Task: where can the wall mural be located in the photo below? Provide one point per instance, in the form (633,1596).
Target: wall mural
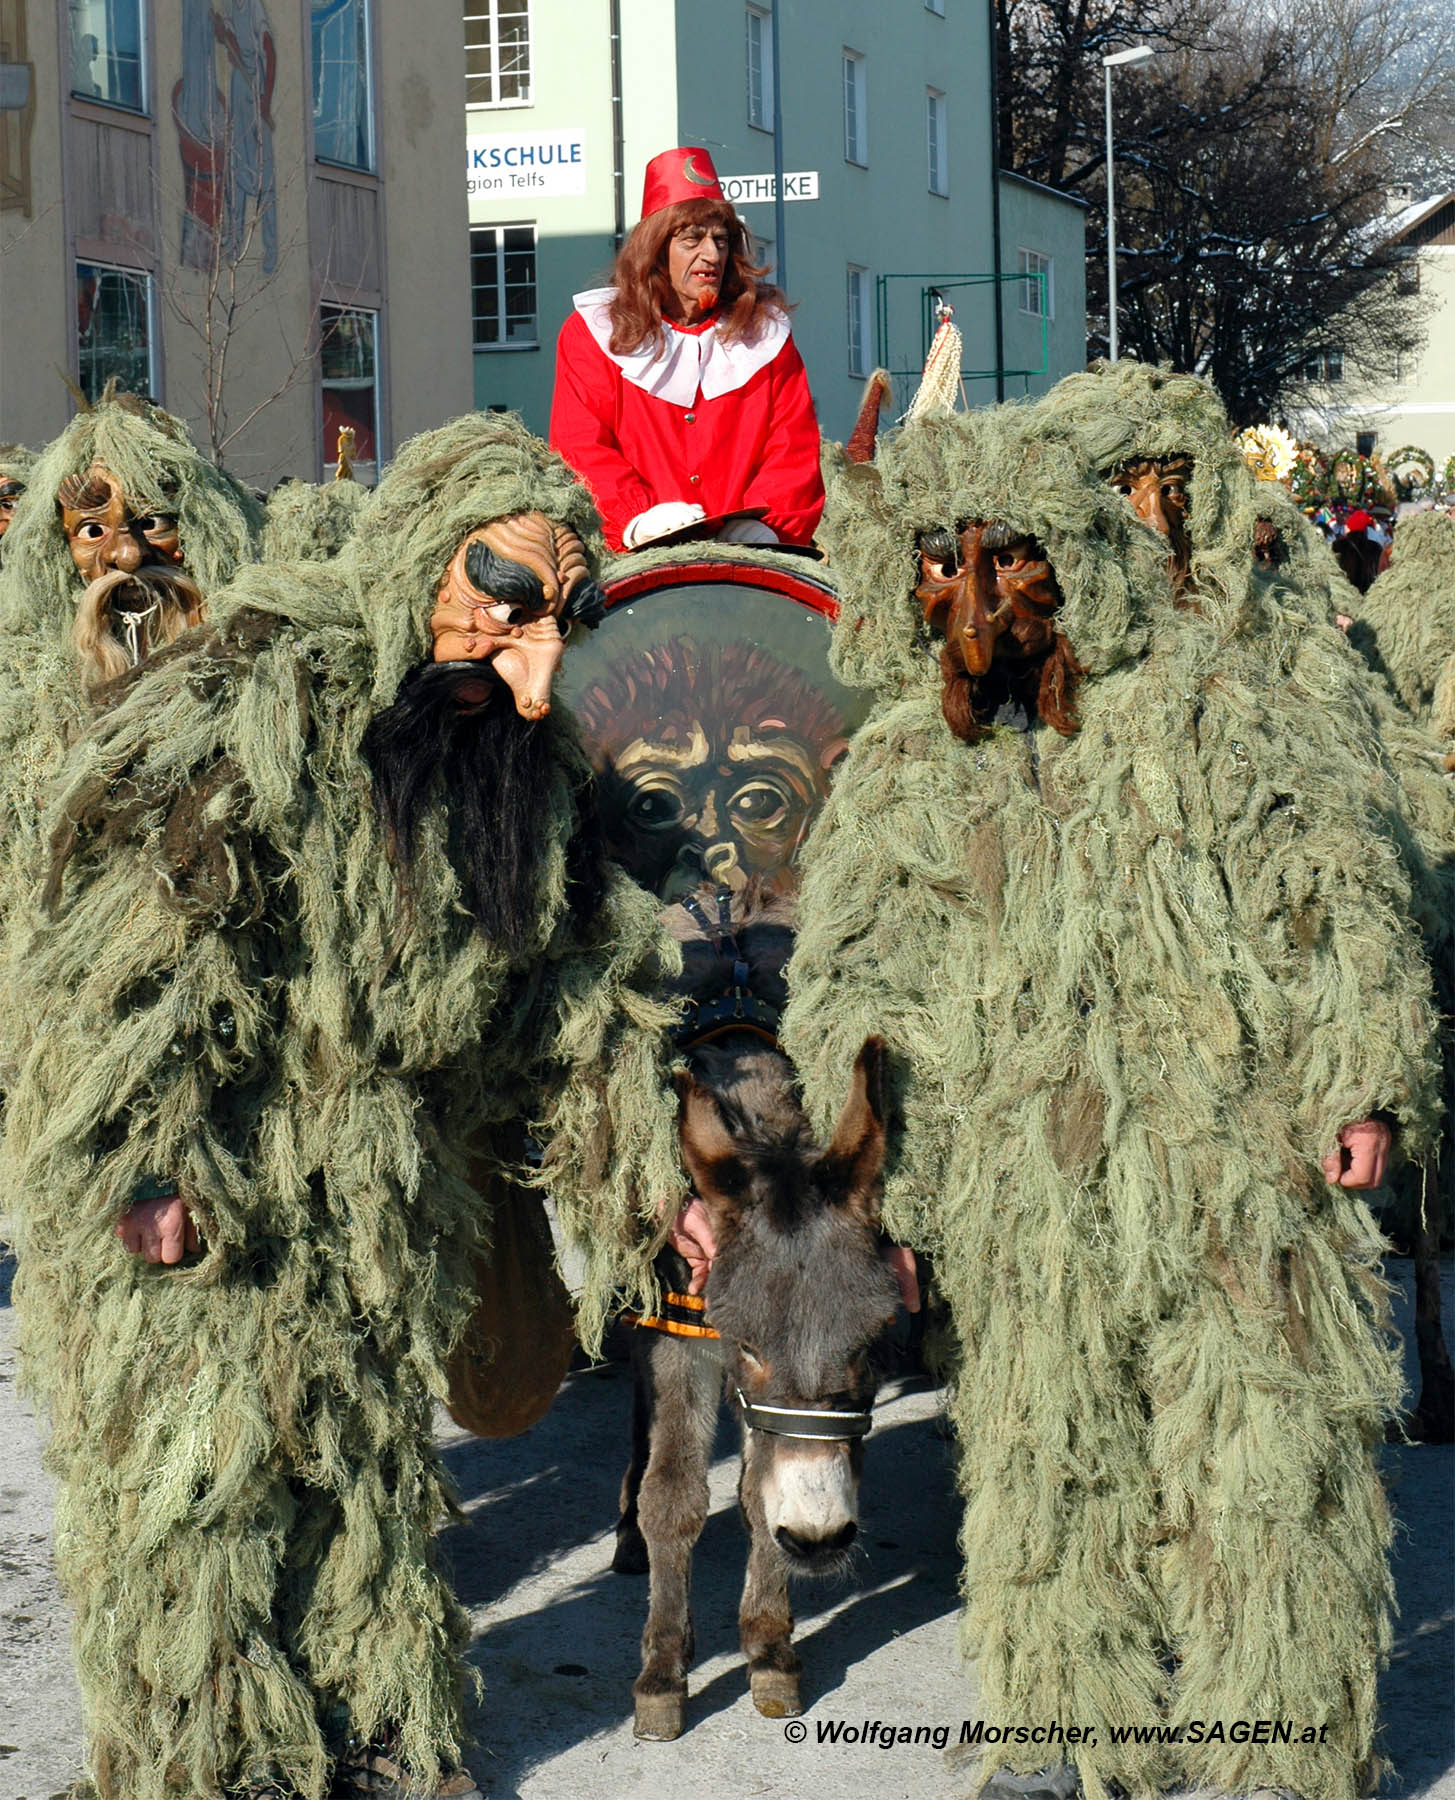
(16,123)
(226,138)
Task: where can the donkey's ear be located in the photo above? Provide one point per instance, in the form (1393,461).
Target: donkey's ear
(710,1154)
(856,1154)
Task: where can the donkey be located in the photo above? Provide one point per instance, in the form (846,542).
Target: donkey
(797,1297)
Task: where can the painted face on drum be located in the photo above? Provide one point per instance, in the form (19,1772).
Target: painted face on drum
(1156,488)
(714,761)
(728,810)
(697,255)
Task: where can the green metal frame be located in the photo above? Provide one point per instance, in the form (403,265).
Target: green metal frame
(943,285)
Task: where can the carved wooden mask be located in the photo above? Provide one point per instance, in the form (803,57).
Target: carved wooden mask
(991,592)
(1156,487)
(505,598)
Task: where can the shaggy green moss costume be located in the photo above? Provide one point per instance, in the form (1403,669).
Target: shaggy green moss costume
(15,465)
(1134,984)
(310,522)
(15,461)
(231,992)
(43,700)
(1289,601)
(1405,624)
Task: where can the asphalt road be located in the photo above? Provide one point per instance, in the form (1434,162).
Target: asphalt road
(556,1632)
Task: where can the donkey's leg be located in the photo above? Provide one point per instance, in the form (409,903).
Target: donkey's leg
(630,1557)
(686,1377)
(765,1618)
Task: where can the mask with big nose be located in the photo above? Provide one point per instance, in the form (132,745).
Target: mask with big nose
(508,598)
(1156,490)
(990,591)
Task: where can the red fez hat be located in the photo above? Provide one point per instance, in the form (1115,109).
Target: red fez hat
(1359,521)
(685,173)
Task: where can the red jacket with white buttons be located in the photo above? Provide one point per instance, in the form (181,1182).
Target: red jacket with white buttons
(721,426)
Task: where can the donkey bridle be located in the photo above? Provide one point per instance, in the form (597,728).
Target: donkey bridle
(740,1009)
(831,1426)
(737,1008)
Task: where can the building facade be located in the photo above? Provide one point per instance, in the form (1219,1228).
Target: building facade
(235,206)
(887,157)
(1346,411)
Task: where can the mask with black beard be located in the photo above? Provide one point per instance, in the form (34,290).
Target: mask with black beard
(453,731)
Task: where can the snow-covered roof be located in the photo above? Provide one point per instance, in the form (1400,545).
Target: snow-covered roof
(1396,225)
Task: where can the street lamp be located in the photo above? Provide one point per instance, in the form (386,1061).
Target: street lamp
(1139,53)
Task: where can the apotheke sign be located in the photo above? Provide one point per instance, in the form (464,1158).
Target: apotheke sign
(746,190)
(520,163)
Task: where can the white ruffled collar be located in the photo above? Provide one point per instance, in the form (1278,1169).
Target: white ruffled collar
(691,361)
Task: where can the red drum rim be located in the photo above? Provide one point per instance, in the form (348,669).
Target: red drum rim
(817,595)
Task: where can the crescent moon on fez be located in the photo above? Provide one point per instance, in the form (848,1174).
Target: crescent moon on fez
(691,173)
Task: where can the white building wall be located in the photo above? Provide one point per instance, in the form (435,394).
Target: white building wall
(1419,408)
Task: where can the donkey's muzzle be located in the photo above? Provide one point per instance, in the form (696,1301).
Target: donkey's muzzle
(814,1551)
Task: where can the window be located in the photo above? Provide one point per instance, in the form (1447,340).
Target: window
(503,286)
(343,111)
(113,329)
(858,298)
(1324,366)
(1037,295)
(760,69)
(347,363)
(1407,275)
(106,52)
(856,111)
(497,53)
(935,140)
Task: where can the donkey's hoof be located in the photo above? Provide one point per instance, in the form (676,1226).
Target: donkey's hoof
(775,1693)
(660,1717)
(630,1557)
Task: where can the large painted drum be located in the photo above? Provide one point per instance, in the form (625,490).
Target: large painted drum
(711,717)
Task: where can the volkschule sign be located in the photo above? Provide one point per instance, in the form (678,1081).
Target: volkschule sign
(526,162)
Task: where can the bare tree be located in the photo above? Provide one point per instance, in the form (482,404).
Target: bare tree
(1253,160)
(225,292)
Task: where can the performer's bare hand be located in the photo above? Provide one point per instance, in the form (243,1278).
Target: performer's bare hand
(692,1238)
(1362,1154)
(901,1260)
(159,1231)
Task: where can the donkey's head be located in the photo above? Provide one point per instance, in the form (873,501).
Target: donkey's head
(798,1291)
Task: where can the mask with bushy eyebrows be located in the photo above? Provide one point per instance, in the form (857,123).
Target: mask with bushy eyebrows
(991,592)
(137,595)
(107,530)
(1156,489)
(508,597)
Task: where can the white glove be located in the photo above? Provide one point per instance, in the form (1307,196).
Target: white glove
(747,531)
(658,521)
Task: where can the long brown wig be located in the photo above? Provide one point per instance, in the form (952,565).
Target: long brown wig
(643,289)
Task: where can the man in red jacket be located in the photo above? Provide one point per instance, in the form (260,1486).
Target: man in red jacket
(680,395)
